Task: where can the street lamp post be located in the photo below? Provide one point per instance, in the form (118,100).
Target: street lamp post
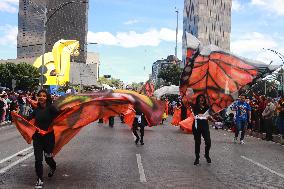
(45,22)
(176,34)
(43,47)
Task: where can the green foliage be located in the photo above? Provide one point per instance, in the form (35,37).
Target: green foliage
(65,87)
(171,74)
(26,75)
(136,86)
(117,83)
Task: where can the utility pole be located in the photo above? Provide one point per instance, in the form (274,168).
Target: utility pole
(176,34)
(43,46)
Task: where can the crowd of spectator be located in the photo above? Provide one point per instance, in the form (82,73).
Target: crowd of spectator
(267,116)
(19,101)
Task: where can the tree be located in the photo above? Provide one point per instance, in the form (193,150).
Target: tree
(171,74)
(136,86)
(26,75)
(117,83)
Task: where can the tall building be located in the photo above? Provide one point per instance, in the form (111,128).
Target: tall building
(65,20)
(209,21)
(30,29)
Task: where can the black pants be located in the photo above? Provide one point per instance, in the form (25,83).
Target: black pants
(135,128)
(268,127)
(43,144)
(111,121)
(202,129)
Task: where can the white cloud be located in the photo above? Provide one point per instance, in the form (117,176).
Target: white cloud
(10,6)
(130,22)
(275,6)
(253,45)
(10,35)
(236,5)
(133,39)
(252,42)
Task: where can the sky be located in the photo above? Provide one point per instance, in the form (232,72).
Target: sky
(133,34)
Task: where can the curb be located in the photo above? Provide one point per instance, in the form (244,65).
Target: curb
(276,138)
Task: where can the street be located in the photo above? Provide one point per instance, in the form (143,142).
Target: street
(104,157)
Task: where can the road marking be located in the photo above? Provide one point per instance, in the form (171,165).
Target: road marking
(3,170)
(12,156)
(140,168)
(262,166)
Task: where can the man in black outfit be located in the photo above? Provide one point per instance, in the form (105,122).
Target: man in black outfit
(139,121)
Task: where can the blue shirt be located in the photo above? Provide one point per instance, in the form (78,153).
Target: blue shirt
(242,109)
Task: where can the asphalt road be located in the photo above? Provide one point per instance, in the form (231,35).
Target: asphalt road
(104,157)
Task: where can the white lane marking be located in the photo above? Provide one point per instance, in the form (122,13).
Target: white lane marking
(262,166)
(140,168)
(10,157)
(3,170)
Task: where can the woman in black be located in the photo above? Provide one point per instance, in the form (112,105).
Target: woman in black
(43,138)
(202,129)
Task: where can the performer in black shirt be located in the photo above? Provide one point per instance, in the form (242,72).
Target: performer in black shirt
(43,138)
(139,121)
(201,127)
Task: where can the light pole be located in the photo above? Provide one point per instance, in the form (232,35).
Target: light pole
(45,22)
(176,34)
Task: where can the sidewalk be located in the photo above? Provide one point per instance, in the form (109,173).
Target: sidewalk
(276,138)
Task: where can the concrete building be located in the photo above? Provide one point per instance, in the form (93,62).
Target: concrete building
(209,21)
(30,29)
(80,74)
(162,64)
(86,74)
(65,20)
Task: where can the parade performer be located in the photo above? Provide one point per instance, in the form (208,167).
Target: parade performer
(77,111)
(201,127)
(139,121)
(218,75)
(43,138)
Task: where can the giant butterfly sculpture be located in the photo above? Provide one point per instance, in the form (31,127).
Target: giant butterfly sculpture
(218,74)
(78,111)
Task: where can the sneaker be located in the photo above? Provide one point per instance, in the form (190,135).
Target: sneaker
(39,183)
(208,159)
(196,162)
(141,142)
(137,140)
(235,140)
(51,172)
(242,142)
